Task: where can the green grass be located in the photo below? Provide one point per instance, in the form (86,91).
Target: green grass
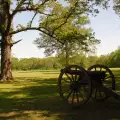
(34,96)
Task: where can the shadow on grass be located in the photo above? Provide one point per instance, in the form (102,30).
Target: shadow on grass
(43,97)
(117,79)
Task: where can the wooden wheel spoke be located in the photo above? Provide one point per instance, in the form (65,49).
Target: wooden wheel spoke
(73,96)
(77,96)
(68,77)
(100,68)
(66,91)
(76,75)
(81,95)
(73,77)
(69,94)
(66,81)
(95,68)
(108,77)
(107,82)
(106,72)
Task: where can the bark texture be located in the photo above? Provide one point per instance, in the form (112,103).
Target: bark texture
(6,63)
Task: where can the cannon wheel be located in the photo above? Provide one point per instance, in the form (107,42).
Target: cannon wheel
(74,87)
(108,81)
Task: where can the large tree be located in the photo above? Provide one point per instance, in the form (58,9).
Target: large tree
(45,8)
(70,39)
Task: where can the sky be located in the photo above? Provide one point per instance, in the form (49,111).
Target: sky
(106,26)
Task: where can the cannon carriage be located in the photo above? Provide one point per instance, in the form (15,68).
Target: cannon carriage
(77,85)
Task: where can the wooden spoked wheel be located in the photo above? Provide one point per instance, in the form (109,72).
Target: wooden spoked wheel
(108,81)
(74,85)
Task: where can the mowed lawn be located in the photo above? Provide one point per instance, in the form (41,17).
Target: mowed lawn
(34,96)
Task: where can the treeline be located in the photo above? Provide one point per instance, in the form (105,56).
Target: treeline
(111,60)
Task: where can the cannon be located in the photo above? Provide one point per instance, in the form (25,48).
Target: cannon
(77,85)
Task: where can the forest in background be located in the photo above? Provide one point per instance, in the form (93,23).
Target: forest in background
(111,60)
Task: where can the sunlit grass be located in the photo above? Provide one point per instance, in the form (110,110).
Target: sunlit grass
(40,73)
(34,96)
(115,68)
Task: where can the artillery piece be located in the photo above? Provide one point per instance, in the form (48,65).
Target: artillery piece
(77,85)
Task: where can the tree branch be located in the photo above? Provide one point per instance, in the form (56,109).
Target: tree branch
(44,2)
(34,14)
(38,29)
(15,42)
(72,9)
(30,9)
(32,28)
(19,8)
(33,19)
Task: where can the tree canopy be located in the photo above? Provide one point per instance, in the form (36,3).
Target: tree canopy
(73,37)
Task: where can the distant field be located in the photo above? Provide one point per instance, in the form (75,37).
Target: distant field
(34,96)
(115,68)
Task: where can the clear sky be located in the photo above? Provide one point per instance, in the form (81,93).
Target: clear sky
(106,27)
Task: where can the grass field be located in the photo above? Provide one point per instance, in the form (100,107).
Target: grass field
(34,96)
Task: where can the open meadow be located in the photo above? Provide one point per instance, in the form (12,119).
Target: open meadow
(34,96)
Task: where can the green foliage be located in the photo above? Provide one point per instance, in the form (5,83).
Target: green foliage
(111,60)
(104,59)
(70,38)
(79,59)
(114,60)
(91,60)
(116,6)
(35,63)
(106,3)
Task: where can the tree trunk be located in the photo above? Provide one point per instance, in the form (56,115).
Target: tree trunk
(5,27)
(66,55)
(6,64)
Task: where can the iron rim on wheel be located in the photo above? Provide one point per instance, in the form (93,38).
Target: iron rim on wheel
(74,85)
(108,82)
